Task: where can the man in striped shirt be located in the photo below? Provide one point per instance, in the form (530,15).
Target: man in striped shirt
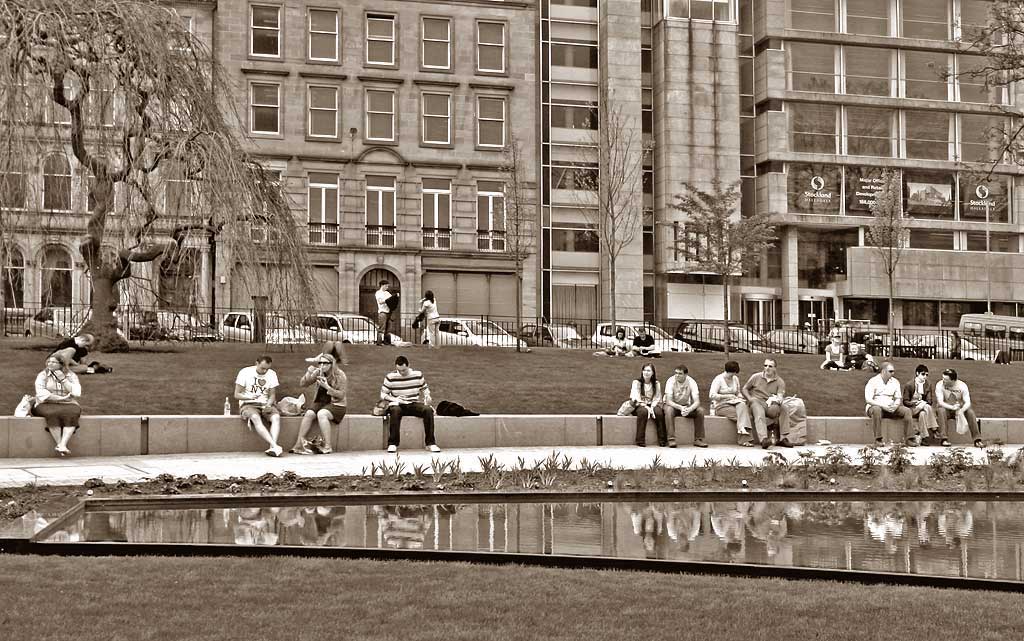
(407,394)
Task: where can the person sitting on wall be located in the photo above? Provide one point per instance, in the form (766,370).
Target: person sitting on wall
(884,397)
(407,394)
(682,398)
(917,395)
(727,400)
(643,344)
(765,392)
(645,395)
(954,401)
(57,392)
(256,391)
(329,404)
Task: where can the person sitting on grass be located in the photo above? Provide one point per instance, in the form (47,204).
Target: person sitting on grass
(728,401)
(884,397)
(619,346)
(643,344)
(57,394)
(835,358)
(682,398)
(859,358)
(256,391)
(646,397)
(954,401)
(73,351)
(407,394)
(917,396)
(329,404)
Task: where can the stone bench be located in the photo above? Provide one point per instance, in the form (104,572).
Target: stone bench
(135,435)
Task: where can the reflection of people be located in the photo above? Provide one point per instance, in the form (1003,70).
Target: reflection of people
(886,526)
(728,522)
(682,398)
(57,394)
(329,404)
(884,398)
(767,522)
(254,528)
(403,526)
(954,401)
(917,396)
(646,396)
(955,524)
(256,391)
(407,394)
(727,401)
(649,525)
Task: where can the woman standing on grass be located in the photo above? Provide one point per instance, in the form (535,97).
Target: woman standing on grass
(431,319)
(57,393)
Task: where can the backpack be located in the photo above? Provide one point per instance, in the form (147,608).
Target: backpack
(448,408)
(392,302)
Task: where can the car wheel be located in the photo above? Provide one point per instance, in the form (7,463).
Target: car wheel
(28,332)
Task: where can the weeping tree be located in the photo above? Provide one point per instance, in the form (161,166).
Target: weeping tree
(520,217)
(150,124)
(717,240)
(888,234)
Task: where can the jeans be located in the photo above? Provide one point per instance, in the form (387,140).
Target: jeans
(395,414)
(670,422)
(642,415)
(383,320)
(760,412)
(876,414)
(943,415)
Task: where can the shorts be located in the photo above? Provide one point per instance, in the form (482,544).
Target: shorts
(266,412)
(337,411)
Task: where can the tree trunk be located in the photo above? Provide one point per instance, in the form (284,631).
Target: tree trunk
(725,313)
(519,305)
(611,305)
(102,324)
(892,316)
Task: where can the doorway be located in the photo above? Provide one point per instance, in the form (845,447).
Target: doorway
(815,309)
(369,284)
(762,314)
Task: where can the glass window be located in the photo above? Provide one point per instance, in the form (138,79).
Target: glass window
(925,75)
(928,194)
(490,216)
(997,242)
(869,131)
(490,47)
(13,189)
(928,19)
(574,116)
(981,198)
(437,213)
(490,121)
(868,17)
(821,256)
(575,240)
(974,15)
(811,67)
(437,118)
(264,108)
(323,112)
(812,15)
(323,34)
(56,183)
(570,55)
(380,211)
(265,31)
(981,137)
(862,187)
(812,128)
(380,114)
(323,208)
(927,134)
(437,41)
(14,278)
(868,71)
(927,239)
(814,188)
(380,39)
(873,310)
(56,273)
(977,85)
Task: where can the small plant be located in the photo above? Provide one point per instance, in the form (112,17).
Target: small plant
(548,478)
(995,455)
(419,471)
(898,457)
(870,458)
(490,465)
(656,464)
(566,463)
(590,468)
(950,462)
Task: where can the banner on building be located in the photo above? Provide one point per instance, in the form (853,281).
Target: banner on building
(928,194)
(814,188)
(862,186)
(978,195)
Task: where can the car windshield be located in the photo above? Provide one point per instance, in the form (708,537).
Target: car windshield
(485,328)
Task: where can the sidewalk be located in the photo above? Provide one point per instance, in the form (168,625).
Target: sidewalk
(72,471)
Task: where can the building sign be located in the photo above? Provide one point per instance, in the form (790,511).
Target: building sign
(928,194)
(862,185)
(978,194)
(814,188)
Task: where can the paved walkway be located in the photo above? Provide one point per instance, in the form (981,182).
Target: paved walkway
(70,471)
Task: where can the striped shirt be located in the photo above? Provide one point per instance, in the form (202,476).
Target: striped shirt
(405,388)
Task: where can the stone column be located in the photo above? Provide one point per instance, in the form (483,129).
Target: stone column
(790,276)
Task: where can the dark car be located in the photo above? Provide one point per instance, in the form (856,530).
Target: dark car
(709,337)
(554,335)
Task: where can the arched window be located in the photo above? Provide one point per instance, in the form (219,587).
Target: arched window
(56,183)
(14,278)
(56,269)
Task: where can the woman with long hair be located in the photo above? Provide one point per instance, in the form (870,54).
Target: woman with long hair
(329,405)
(646,397)
(57,394)
(431,318)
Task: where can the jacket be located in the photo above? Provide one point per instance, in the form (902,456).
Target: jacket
(909,389)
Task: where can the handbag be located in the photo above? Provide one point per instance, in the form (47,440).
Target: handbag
(24,408)
(416,322)
(626,408)
(381,408)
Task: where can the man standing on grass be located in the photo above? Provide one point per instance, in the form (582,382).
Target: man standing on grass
(383,312)
(407,394)
(884,397)
(256,391)
(764,392)
(682,398)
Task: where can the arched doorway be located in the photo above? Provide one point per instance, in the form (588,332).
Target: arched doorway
(369,284)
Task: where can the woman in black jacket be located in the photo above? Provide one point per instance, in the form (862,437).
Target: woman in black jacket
(918,397)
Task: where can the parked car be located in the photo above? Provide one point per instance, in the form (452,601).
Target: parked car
(151,325)
(879,343)
(55,322)
(553,335)
(238,326)
(709,337)
(470,331)
(941,347)
(345,327)
(797,341)
(604,334)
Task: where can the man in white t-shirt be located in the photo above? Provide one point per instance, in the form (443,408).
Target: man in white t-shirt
(256,391)
(383,311)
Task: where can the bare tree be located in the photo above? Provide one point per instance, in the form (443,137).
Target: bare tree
(520,217)
(888,233)
(717,240)
(616,207)
(150,123)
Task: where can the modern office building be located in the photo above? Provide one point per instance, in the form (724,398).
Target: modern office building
(387,118)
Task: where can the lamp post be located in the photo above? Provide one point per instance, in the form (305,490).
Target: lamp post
(988,260)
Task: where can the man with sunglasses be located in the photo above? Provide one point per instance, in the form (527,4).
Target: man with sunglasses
(764,392)
(884,397)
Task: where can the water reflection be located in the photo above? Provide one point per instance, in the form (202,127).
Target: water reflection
(976,539)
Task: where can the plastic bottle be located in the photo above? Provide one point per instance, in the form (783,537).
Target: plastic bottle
(227,406)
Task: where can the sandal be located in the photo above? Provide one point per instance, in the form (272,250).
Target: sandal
(945,442)
(747,444)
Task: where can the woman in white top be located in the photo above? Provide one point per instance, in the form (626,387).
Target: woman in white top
(428,307)
(57,394)
(834,356)
(727,400)
(646,397)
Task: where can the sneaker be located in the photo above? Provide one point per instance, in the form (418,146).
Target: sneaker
(699,443)
(323,449)
(671,442)
(303,449)
(785,443)
(392,449)
(945,442)
(433,448)
(275,451)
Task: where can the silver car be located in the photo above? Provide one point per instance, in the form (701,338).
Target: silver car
(344,327)
(238,326)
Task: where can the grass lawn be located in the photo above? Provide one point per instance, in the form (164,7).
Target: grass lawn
(194,379)
(289,598)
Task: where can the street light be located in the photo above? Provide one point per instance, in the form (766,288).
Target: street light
(988,260)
